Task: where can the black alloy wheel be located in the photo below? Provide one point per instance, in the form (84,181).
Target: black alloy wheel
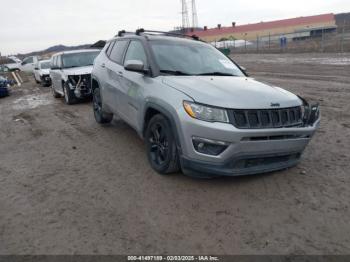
(161,146)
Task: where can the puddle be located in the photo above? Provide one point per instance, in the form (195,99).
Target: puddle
(32,101)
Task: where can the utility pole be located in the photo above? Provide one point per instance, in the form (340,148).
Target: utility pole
(194,15)
(185,19)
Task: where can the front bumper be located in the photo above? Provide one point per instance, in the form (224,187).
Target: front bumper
(249,152)
(45,80)
(80,85)
(239,166)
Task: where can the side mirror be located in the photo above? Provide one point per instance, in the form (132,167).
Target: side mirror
(135,66)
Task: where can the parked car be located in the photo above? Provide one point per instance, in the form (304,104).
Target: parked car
(13,64)
(196,109)
(4,84)
(28,64)
(3,68)
(71,74)
(42,72)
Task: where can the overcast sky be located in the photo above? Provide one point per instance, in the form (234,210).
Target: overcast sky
(32,25)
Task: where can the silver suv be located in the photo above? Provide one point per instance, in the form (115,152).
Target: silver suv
(197,109)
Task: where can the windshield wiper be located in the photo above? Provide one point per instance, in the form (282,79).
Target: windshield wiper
(216,74)
(174,72)
(70,67)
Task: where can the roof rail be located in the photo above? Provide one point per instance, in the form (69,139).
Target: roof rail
(143,31)
(123,32)
(152,32)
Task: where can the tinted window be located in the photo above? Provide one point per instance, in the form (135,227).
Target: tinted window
(118,51)
(78,59)
(136,52)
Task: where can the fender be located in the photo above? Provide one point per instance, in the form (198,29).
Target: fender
(168,115)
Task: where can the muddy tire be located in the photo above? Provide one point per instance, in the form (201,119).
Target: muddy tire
(161,146)
(54,93)
(69,96)
(100,116)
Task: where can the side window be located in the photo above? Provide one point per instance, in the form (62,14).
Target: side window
(29,60)
(117,52)
(136,52)
(54,61)
(109,48)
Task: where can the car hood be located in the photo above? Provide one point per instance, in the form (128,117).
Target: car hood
(232,92)
(45,71)
(78,71)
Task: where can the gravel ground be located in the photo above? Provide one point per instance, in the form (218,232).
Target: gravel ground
(70,186)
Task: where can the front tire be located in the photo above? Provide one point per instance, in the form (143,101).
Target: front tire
(69,96)
(54,93)
(100,116)
(36,81)
(161,146)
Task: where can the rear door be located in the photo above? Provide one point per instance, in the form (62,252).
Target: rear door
(114,68)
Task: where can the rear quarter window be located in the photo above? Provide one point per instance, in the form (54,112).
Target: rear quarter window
(118,51)
(109,48)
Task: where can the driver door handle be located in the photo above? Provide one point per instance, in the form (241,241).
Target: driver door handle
(103,65)
(120,74)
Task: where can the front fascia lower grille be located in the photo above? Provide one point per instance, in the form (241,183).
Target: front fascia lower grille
(266,118)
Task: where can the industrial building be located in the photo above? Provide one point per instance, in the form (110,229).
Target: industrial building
(294,28)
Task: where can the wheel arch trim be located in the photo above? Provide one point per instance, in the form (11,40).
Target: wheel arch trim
(168,115)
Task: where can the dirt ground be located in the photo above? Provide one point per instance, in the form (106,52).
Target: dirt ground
(70,186)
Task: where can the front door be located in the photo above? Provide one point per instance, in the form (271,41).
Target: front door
(132,84)
(28,64)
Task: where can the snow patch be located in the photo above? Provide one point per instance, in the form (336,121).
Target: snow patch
(32,101)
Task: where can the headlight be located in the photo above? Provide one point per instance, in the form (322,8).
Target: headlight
(310,112)
(205,113)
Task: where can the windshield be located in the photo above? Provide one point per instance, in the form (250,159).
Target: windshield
(45,65)
(192,59)
(79,59)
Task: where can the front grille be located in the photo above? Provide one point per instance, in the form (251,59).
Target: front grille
(266,118)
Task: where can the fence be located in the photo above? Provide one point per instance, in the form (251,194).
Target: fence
(322,41)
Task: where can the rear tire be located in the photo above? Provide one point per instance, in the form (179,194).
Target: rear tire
(69,96)
(161,146)
(36,81)
(100,116)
